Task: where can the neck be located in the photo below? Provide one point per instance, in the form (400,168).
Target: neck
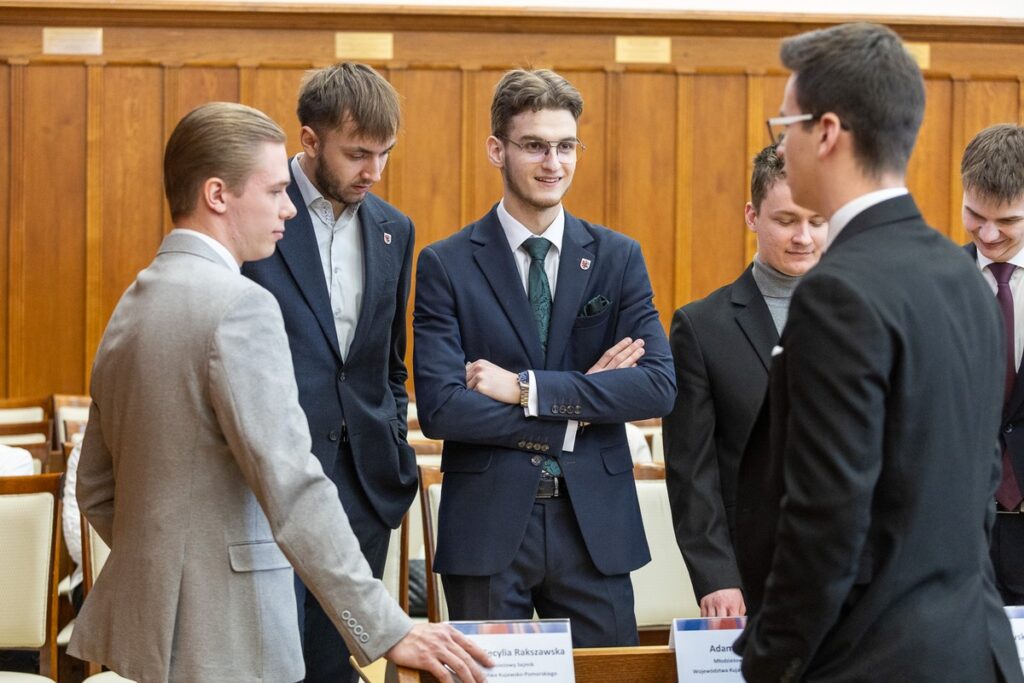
(856,185)
(210,228)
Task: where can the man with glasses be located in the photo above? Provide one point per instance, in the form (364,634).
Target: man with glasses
(885,393)
(536,339)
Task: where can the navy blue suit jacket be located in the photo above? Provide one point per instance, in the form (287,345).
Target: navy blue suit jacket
(471,305)
(364,398)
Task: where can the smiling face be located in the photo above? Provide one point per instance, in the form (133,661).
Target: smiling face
(534,187)
(342,164)
(996,228)
(256,215)
(790,238)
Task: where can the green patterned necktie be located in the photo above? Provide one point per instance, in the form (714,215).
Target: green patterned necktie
(540,302)
(540,292)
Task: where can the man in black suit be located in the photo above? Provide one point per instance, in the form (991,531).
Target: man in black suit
(341,275)
(722,346)
(992,171)
(884,394)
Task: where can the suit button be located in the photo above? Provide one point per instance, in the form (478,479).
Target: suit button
(578,410)
(1007,429)
(536,460)
(554,410)
(521,444)
(529,445)
(545,447)
(334,435)
(341,376)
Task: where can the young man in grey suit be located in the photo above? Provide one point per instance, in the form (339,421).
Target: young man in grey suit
(196,466)
(341,275)
(992,171)
(722,347)
(884,396)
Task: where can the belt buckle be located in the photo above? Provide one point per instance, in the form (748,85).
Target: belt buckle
(552,491)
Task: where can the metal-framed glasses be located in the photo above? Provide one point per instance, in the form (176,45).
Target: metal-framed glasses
(777,125)
(569,149)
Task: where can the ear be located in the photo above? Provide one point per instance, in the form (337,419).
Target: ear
(214,191)
(750,216)
(829,128)
(310,141)
(496,152)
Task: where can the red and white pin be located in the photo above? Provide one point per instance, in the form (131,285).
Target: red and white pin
(584,264)
(387,238)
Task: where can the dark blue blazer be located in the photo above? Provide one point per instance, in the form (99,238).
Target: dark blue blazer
(364,398)
(470,305)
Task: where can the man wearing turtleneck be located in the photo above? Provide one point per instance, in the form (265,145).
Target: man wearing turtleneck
(722,345)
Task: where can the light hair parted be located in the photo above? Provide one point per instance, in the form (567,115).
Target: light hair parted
(522,90)
(993,164)
(214,140)
(352,92)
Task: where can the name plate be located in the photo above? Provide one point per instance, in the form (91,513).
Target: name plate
(1016,617)
(704,649)
(528,651)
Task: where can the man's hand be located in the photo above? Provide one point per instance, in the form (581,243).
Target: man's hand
(441,650)
(488,379)
(727,602)
(625,354)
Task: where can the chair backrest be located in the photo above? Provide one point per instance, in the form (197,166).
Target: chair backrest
(396,567)
(426,446)
(430,501)
(70,415)
(30,538)
(661,588)
(21,410)
(24,433)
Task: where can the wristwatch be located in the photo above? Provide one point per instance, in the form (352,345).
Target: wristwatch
(524,389)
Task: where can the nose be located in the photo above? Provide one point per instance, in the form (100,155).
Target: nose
(987,232)
(374,168)
(802,236)
(551,160)
(288,208)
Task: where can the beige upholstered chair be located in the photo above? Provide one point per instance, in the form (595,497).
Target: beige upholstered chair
(30,538)
(22,410)
(430,501)
(70,413)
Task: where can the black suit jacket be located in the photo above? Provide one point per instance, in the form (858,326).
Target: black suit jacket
(721,345)
(364,398)
(885,397)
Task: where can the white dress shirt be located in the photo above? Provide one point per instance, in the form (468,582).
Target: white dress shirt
(217,247)
(516,233)
(1017,290)
(340,242)
(841,218)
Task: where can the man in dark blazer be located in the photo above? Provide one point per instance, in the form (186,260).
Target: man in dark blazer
(993,214)
(527,365)
(341,275)
(885,396)
(721,345)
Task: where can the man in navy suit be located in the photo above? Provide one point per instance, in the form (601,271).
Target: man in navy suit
(341,275)
(992,171)
(536,339)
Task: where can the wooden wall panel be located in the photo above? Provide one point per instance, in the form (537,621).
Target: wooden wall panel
(481,182)
(200,84)
(275,91)
(587,197)
(48,322)
(927,175)
(5,203)
(720,181)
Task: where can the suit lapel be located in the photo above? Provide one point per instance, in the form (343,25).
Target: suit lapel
(377,255)
(572,283)
(753,316)
(899,208)
(302,257)
(494,258)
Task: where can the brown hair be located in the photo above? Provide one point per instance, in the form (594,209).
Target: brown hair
(993,163)
(768,170)
(214,140)
(330,96)
(520,90)
(863,74)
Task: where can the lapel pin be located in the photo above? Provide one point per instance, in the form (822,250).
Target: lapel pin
(387,238)
(584,264)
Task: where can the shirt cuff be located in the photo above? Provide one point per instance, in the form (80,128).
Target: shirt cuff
(533,410)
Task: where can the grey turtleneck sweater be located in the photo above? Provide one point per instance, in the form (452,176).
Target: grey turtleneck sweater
(777,290)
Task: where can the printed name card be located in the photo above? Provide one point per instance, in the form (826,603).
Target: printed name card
(536,651)
(1016,617)
(704,649)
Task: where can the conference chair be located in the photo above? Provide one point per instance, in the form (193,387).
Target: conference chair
(23,410)
(70,415)
(25,433)
(30,538)
(430,501)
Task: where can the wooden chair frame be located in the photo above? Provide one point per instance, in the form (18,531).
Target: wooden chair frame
(429,476)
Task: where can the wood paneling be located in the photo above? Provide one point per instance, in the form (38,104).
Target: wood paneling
(669,147)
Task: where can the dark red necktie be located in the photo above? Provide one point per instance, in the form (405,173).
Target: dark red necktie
(1008,494)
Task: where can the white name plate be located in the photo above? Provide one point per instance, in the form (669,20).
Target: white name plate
(535,651)
(704,649)
(1016,617)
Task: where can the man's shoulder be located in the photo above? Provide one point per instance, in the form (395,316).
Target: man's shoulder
(387,210)
(604,236)
(712,305)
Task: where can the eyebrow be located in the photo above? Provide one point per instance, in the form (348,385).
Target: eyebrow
(364,150)
(1013,217)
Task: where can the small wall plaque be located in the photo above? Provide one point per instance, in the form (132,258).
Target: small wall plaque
(643,49)
(72,41)
(368,46)
(921,52)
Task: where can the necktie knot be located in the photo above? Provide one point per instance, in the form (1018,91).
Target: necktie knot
(537,248)
(1002,272)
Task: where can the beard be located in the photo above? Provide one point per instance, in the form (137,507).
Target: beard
(520,193)
(332,188)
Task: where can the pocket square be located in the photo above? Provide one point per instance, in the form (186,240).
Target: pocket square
(776,351)
(595,306)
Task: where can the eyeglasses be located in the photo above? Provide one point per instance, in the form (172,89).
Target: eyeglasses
(777,126)
(535,150)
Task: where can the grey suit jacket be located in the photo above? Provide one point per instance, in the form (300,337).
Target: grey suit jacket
(196,470)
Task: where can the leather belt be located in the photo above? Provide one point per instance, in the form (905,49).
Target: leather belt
(551,487)
(1000,510)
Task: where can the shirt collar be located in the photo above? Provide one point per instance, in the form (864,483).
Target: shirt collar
(984,261)
(311,195)
(516,233)
(841,218)
(217,247)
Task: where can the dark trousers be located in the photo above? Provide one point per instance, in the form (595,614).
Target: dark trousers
(1007,551)
(323,648)
(552,572)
